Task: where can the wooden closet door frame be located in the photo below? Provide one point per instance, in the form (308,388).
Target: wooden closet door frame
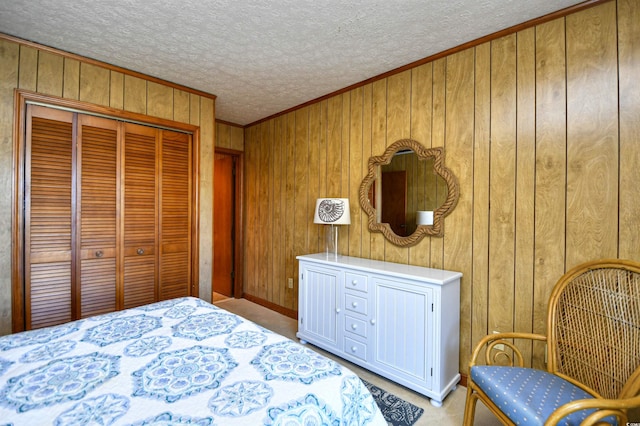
(24,97)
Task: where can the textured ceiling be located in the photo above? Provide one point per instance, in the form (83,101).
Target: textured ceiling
(262,57)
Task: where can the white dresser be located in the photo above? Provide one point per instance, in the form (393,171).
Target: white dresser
(399,321)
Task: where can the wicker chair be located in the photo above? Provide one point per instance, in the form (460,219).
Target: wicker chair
(593,343)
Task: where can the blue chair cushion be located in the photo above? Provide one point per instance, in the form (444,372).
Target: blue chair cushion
(528,396)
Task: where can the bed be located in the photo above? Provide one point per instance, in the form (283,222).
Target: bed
(181,361)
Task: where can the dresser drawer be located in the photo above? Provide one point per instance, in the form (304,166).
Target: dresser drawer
(355,326)
(355,349)
(355,304)
(356,282)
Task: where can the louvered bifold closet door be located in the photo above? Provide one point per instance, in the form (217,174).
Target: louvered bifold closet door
(97,190)
(49,263)
(175,217)
(139,215)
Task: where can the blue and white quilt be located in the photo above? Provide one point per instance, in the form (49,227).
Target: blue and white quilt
(177,362)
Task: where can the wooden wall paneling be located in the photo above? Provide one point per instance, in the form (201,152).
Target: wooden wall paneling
(551,122)
(345,147)
(116,90)
(334,147)
(97,236)
(355,170)
(28,69)
(477,284)
(289,205)
(71,79)
(398,127)
(314,176)
(459,144)
(592,135)
(181,110)
(250,212)
(9,67)
(629,62)
(438,140)
(50,73)
(207,147)
(378,145)
(264,232)
(159,100)
(94,84)
(421,121)
(525,187)
(280,206)
(194,109)
(135,94)
(365,243)
(502,183)
(303,209)
(274,226)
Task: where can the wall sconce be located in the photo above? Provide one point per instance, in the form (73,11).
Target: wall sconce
(332,212)
(424,217)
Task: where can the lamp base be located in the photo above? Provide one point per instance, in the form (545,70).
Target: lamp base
(331,241)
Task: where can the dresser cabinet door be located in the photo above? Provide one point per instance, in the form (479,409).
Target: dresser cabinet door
(319,309)
(404,341)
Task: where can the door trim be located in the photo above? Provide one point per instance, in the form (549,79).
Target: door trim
(238,252)
(24,97)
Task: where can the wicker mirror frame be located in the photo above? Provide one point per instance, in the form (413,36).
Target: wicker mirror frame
(435,230)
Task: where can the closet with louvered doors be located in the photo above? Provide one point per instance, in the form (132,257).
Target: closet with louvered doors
(107,215)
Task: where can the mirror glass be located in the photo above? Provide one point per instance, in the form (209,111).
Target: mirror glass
(407,192)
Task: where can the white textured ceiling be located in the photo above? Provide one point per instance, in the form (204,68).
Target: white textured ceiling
(264,56)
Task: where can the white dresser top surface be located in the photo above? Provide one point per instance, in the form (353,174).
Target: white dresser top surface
(435,276)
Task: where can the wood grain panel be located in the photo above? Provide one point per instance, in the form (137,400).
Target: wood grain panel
(438,139)
(550,196)
(314,175)
(50,73)
(477,285)
(180,111)
(629,59)
(97,200)
(94,84)
(116,90)
(378,145)
(28,68)
(278,223)
(525,186)
(354,173)
(290,265)
(366,154)
(502,183)
(303,211)
(592,133)
(159,100)
(71,79)
(135,94)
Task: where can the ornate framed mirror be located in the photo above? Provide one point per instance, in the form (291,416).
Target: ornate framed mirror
(407,192)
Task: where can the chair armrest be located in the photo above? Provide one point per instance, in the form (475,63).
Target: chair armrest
(491,340)
(604,408)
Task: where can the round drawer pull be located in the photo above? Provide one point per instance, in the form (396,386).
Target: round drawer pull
(337,310)
(140,251)
(354,326)
(354,304)
(354,282)
(99,253)
(354,349)
(373,322)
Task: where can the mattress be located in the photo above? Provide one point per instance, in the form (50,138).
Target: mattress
(181,361)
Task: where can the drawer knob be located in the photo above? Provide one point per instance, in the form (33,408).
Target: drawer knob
(140,251)
(354,304)
(99,253)
(373,322)
(354,326)
(353,349)
(337,310)
(354,282)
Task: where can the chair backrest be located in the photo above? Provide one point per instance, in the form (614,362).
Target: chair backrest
(594,325)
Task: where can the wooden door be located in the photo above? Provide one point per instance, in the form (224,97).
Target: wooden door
(394,200)
(49,234)
(139,216)
(97,206)
(175,216)
(223,221)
